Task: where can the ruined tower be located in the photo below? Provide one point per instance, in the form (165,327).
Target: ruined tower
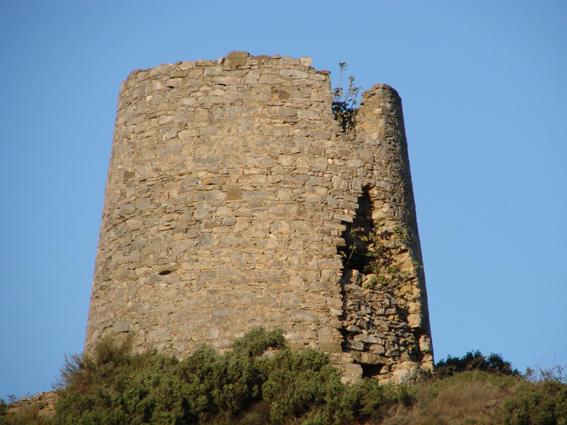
(235,199)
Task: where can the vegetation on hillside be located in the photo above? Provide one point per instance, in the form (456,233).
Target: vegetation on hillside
(262,381)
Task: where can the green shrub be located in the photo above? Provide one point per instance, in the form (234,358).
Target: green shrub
(304,384)
(374,400)
(116,387)
(242,386)
(262,381)
(258,341)
(540,403)
(474,360)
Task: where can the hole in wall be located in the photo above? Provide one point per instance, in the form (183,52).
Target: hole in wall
(370,370)
(374,312)
(357,257)
(165,272)
(370,313)
(356,254)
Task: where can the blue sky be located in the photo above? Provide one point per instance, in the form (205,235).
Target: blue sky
(484,86)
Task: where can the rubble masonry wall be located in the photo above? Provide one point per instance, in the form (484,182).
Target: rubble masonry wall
(230,195)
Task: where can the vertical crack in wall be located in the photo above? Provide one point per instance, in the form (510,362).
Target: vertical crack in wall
(375,323)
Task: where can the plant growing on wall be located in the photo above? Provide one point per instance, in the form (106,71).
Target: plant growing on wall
(345,100)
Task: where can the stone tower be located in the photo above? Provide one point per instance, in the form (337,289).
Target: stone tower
(235,200)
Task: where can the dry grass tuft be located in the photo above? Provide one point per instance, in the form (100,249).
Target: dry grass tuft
(469,398)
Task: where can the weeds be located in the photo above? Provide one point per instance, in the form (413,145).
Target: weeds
(345,101)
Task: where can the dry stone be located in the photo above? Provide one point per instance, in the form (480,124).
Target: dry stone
(231,199)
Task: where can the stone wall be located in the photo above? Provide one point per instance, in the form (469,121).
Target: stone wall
(233,199)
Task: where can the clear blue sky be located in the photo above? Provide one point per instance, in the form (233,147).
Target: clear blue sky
(484,86)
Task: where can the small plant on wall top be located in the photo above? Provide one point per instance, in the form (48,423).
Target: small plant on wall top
(345,100)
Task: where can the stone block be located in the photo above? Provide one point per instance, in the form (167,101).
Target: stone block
(121,326)
(233,192)
(330,347)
